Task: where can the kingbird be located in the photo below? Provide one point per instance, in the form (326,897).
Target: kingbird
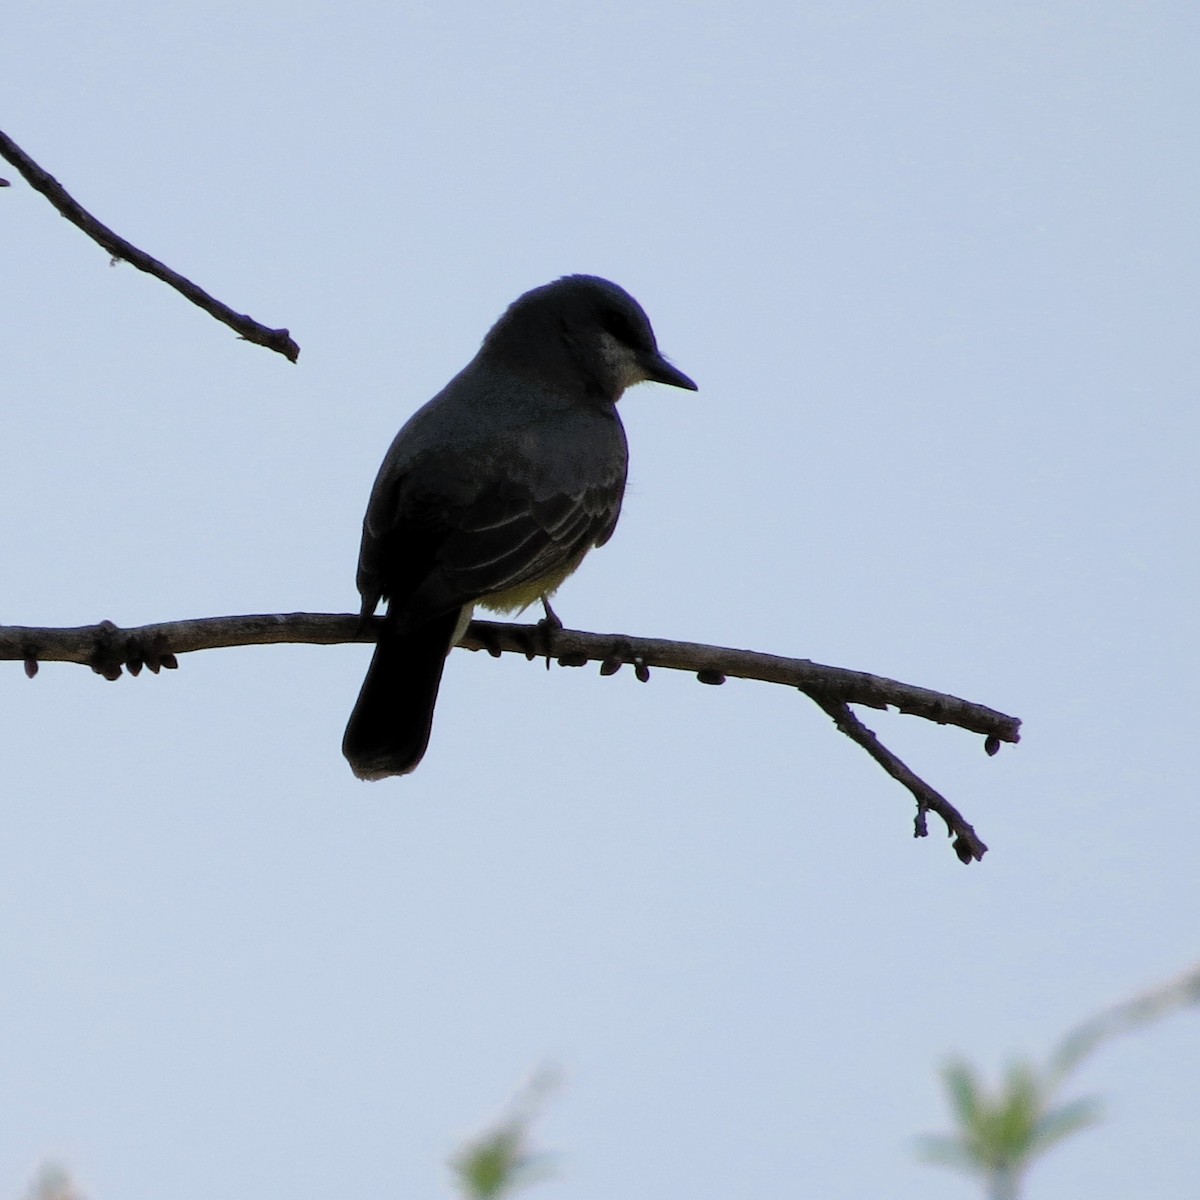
(492,493)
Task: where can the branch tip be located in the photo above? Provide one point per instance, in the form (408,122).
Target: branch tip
(120,250)
(967,845)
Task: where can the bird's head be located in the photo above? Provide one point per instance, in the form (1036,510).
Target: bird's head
(582,329)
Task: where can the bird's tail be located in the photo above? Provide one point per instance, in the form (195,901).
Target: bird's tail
(389,727)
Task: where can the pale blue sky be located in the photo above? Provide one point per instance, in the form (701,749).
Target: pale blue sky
(933,267)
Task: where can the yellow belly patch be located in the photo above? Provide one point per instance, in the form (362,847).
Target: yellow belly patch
(522,595)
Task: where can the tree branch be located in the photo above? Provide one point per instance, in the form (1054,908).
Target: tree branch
(967,844)
(279,340)
(109,650)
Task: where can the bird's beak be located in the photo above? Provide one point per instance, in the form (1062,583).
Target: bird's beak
(660,371)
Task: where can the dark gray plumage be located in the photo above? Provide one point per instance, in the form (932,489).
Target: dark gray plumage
(492,493)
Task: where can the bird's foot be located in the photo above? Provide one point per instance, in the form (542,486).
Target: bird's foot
(545,630)
(551,619)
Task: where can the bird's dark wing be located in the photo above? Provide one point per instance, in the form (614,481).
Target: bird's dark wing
(431,545)
(508,538)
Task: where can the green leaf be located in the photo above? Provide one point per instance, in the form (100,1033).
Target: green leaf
(1058,1125)
(963,1087)
(500,1161)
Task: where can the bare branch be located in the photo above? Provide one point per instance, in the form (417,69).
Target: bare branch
(967,844)
(716,662)
(279,340)
(109,650)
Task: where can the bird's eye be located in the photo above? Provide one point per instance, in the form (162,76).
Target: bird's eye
(622,328)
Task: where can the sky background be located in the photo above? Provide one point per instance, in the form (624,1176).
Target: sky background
(934,268)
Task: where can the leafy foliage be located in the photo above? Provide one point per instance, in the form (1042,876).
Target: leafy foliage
(500,1161)
(1000,1133)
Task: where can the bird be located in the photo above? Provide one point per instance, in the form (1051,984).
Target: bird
(492,493)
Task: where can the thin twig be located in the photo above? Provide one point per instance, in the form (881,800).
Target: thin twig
(109,651)
(279,340)
(967,844)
